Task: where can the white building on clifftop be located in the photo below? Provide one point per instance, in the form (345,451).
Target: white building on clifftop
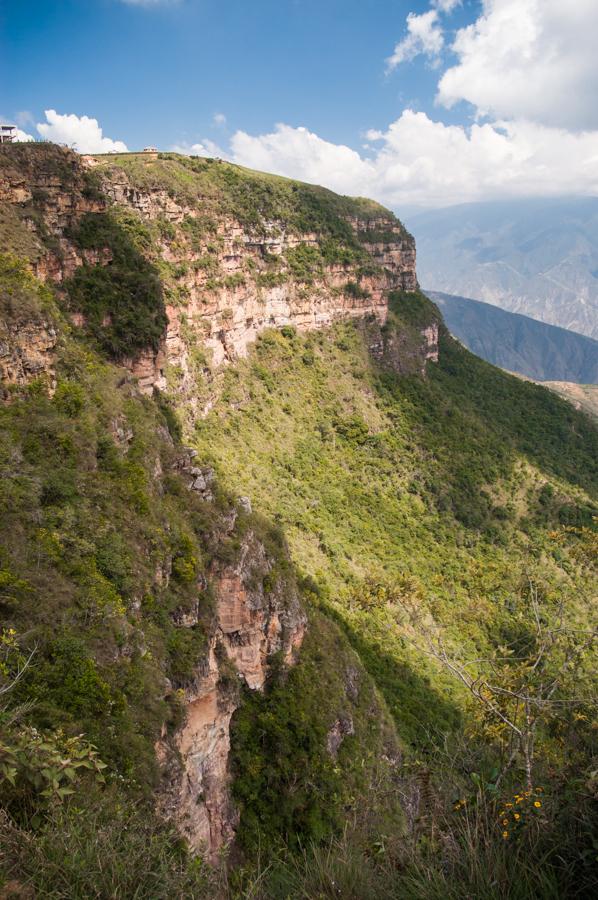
(8,134)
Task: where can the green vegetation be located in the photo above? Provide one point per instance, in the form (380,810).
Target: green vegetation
(437,736)
(289,785)
(446,495)
(122,302)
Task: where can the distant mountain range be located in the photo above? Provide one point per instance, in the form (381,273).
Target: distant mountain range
(538,257)
(520,344)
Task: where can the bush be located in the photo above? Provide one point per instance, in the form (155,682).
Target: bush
(122,301)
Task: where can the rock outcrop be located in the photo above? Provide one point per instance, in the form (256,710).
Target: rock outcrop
(251,622)
(27,351)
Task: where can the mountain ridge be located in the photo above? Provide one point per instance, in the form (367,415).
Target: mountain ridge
(538,257)
(518,343)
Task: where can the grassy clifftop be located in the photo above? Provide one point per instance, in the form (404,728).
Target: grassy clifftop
(253,198)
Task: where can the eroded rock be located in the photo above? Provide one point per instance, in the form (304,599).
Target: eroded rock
(250,625)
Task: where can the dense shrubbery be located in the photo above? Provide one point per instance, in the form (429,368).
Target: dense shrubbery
(290,788)
(121,301)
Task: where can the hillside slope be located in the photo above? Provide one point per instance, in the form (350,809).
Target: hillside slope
(258,508)
(582,396)
(518,343)
(538,257)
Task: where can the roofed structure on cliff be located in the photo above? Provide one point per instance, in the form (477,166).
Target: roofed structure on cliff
(8,134)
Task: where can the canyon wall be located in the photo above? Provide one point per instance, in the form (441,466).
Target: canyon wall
(224,283)
(223,280)
(250,625)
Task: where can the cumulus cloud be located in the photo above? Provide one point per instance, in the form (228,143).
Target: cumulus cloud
(205,147)
(531,59)
(24,136)
(424,36)
(420,161)
(81,132)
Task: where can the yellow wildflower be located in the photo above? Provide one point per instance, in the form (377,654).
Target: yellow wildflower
(508,805)
(516,816)
(537,804)
(505,834)
(504,822)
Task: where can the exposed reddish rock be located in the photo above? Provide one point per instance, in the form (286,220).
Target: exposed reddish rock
(27,351)
(250,625)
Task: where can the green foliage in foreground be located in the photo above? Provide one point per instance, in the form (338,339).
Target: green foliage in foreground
(102,846)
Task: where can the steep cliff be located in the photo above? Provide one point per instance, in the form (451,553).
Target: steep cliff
(236,252)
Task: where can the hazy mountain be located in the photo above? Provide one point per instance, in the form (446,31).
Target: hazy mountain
(537,257)
(518,343)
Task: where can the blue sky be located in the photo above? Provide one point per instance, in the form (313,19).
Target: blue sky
(304,87)
(161,71)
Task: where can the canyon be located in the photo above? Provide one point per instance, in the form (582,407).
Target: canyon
(222,289)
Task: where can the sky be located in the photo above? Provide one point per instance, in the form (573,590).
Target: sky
(419,103)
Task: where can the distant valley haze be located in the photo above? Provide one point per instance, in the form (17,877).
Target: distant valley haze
(538,257)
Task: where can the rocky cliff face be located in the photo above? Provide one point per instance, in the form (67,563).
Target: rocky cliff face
(250,625)
(27,351)
(226,279)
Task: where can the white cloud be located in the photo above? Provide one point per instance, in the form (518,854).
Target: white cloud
(81,132)
(420,161)
(205,147)
(446,6)
(424,36)
(532,59)
(301,154)
(219,119)
(23,136)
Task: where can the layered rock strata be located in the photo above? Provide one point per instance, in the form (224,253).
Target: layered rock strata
(227,286)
